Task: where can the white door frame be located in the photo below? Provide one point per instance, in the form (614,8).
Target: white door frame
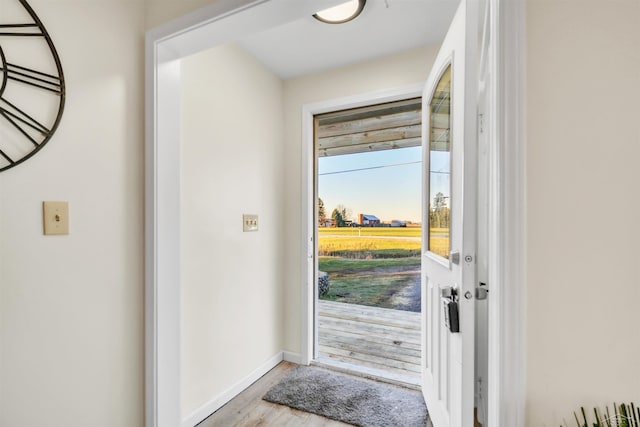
(507,215)
(222,21)
(308,207)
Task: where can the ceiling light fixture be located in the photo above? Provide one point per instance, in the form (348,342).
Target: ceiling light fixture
(341,13)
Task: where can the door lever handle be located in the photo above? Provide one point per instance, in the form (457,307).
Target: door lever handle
(449,292)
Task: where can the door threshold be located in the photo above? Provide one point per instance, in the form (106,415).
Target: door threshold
(368,373)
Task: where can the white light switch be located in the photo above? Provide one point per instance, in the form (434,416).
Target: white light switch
(55,216)
(249,222)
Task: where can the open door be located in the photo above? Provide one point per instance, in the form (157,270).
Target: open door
(449,224)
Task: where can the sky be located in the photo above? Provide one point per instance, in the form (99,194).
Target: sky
(391,192)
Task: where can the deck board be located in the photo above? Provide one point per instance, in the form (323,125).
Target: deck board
(383,342)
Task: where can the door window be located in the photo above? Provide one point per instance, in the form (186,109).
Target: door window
(440,167)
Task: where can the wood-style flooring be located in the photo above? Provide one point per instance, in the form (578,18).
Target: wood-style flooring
(373,342)
(249,410)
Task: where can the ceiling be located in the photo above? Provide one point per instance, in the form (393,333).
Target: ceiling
(372,128)
(307,45)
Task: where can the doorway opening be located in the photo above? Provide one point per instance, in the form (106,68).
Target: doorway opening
(368,164)
(222,22)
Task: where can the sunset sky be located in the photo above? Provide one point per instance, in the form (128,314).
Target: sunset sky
(389,192)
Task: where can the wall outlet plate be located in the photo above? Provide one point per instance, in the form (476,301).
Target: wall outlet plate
(55,217)
(249,222)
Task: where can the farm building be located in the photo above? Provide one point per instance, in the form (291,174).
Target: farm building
(370,220)
(328,222)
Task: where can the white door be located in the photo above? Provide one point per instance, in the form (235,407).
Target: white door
(449,224)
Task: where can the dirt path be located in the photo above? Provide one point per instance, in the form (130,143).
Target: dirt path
(409,297)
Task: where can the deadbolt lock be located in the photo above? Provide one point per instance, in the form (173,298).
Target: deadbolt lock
(482,292)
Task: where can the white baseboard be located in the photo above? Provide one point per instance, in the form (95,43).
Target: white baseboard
(293,357)
(217,402)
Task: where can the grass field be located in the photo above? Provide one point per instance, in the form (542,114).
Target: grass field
(371,231)
(369,242)
(439,242)
(376,266)
(343,265)
(367,247)
(379,242)
(387,283)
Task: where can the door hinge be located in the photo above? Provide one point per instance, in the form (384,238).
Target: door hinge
(481,123)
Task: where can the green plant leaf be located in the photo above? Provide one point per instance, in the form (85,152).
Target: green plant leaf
(624,415)
(584,416)
(624,418)
(598,422)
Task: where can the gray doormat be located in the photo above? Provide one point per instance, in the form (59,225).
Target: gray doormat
(351,400)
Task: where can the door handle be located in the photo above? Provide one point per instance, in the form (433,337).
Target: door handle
(449,293)
(449,296)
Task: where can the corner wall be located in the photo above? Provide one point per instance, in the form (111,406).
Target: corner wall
(583,208)
(384,73)
(232,164)
(72,307)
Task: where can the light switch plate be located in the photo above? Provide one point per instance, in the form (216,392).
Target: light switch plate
(55,216)
(249,222)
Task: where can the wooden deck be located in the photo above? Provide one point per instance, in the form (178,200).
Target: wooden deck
(371,341)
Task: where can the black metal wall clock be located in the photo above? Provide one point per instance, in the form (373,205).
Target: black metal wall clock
(32,89)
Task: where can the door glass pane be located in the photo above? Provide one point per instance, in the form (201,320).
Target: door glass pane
(440,167)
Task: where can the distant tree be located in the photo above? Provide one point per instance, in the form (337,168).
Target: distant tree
(440,201)
(341,215)
(338,219)
(345,212)
(440,214)
(322,214)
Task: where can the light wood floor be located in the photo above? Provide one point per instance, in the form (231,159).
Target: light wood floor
(248,408)
(374,341)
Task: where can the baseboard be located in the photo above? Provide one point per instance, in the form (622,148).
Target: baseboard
(293,357)
(217,402)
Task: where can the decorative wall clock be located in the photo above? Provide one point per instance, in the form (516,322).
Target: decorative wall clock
(32,89)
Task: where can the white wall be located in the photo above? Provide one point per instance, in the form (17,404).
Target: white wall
(583,207)
(232,163)
(71,307)
(392,71)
